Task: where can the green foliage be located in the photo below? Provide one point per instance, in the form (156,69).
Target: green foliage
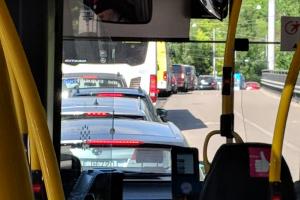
(253,24)
(197,54)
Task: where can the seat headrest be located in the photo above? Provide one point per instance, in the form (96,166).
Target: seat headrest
(241,171)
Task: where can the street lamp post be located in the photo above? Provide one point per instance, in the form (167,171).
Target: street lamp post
(271,34)
(214,53)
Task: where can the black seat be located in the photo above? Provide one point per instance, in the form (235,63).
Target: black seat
(233,175)
(70,171)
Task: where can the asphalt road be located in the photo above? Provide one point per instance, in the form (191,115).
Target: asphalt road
(197,113)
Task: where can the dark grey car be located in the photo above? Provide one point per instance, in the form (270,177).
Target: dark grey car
(207,82)
(130,109)
(110,128)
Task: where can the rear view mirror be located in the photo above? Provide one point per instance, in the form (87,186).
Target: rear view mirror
(210,9)
(163,114)
(119,11)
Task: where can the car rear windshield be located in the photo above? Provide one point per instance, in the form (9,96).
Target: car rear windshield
(123,107)
(207,78)
(129,159)
(85,82)
(104,52)
(188,69)
(177,68)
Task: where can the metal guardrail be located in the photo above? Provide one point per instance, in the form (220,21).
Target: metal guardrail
(275,79)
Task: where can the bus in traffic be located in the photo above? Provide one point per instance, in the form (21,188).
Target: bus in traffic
(136,62)
(164,72)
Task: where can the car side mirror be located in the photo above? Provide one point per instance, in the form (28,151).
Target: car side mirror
(163,114)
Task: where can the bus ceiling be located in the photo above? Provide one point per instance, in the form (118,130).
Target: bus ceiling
(152,19)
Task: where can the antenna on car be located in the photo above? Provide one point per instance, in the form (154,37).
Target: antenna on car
(112,130)
(140,103)
(140,89)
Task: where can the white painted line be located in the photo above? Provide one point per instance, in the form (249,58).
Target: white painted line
(266,132)
(277,97)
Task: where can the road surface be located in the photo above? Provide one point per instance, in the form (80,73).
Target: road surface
(197,113)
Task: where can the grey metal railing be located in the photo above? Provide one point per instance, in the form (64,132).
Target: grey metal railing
(275,79)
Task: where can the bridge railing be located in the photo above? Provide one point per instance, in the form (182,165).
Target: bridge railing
(275,79)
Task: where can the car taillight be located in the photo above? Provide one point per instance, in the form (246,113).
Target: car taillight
(276,197)
(89,77)
(96,114)
(165,76)
(117,143)
(153,88)
(110,95)
(182,75)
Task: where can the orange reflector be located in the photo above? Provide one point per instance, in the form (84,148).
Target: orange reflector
(37,188)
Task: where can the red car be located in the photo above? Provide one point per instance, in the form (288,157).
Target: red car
(252,86)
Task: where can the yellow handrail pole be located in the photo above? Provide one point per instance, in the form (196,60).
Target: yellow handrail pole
(21,117)
(33,155)
(15,180)
(19,106)
(283,110)
(20,112)
(227,117)
(227,100)
(15,54)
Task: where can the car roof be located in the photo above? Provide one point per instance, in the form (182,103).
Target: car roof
(119,105)
(178,65)
(126,91)
(206,76)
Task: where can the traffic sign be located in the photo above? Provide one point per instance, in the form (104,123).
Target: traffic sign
(290,33)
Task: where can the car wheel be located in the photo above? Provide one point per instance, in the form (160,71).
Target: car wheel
(168,93)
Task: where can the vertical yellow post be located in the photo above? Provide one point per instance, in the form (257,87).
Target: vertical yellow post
(228,100)
(16,57)
(21,117)
(14,173)
(283,110)
(227,117)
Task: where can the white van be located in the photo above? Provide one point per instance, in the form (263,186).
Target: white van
(135,61)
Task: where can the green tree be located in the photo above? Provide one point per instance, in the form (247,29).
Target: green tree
(252,24)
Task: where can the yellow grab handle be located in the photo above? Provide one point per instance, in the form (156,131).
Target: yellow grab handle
(206,162)
(16,57)
(15,180)
(283,110)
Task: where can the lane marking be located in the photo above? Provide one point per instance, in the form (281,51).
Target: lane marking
(266,132)
(277,97)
